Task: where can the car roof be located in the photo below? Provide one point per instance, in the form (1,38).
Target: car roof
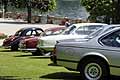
(116,27)
(78,24)
(55,28)
(31,28)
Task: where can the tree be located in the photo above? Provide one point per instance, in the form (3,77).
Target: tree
(116,17)
(42,5)
(5,3)
(104,8)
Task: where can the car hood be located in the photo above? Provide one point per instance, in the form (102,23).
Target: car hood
(8,40)
(62,37)
(11,38)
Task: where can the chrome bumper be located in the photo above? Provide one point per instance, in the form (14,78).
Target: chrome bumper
(46,48)
(28,49)
(7,47)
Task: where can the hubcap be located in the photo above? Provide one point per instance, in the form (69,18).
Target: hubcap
(93,71)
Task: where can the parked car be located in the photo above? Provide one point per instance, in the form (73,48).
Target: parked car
(30,43)
(94,57)
(94,34)
(13,40)
(81,30)
(54,31)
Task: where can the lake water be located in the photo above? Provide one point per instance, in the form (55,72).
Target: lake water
(70,8)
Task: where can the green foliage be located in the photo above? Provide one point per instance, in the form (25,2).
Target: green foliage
(18,3)
(3,36)
(42,5)
(99,7)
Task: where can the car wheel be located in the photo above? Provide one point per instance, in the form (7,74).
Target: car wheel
(14,48)
(94,69)
(37,53)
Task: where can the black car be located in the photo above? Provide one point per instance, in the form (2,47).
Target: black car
(13,40)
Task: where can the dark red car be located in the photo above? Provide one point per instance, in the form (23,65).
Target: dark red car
(30,43)
(13,40)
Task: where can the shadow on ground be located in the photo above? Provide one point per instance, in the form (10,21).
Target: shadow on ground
(115,77)
(62,75)
(33,57)
(28,55)
(53,64)
(40,57)
(69,76)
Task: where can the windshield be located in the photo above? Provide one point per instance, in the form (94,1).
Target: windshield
(82,29)
(87,30)
(18,33)
(100,31)
(69,29)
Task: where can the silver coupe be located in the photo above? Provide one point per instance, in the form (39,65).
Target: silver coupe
(95,57)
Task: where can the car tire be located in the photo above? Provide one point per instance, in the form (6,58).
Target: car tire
(94,69)
(37,53)
(14,48)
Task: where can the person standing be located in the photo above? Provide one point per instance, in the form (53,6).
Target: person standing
(67,23)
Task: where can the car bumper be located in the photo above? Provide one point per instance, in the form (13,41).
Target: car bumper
(7,47)
(47,48)
(28,49)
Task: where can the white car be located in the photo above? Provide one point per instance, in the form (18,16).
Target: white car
(81,30)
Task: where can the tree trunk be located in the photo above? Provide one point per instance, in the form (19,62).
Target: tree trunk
(5,5)
(29,11)
(116,17)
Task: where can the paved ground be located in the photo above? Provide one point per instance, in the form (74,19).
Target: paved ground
(9,26)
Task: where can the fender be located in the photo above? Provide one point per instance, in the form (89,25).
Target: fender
(95,54)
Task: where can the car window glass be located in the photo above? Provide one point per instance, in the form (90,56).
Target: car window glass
(86,30)
(94,34)
(33,33)
(39,32)
(18,33)
(48,32)
(28,33)
(112,39)
(110,28)
(69,29)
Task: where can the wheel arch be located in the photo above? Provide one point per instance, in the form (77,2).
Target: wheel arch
(92,55)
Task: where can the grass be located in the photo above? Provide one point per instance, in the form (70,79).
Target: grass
(24,66)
